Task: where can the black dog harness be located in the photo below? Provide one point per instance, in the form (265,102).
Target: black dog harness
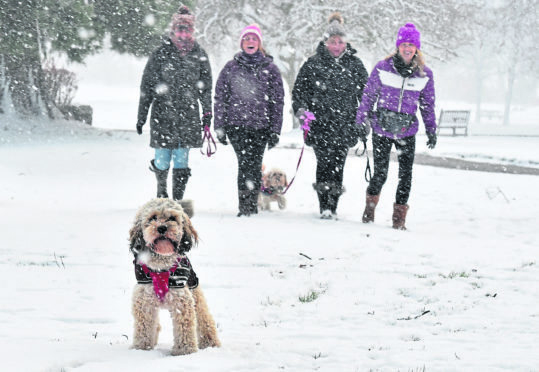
(179,276)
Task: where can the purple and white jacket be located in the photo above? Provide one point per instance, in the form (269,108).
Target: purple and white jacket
(386,88)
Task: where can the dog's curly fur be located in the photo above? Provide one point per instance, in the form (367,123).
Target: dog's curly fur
(161,234)
(275,182)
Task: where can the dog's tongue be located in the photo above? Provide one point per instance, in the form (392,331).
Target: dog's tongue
(164,247)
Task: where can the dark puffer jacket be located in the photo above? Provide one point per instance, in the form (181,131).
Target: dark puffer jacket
(174,85)
(249,93)
(331,88)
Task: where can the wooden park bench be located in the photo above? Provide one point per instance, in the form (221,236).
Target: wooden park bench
(454,120)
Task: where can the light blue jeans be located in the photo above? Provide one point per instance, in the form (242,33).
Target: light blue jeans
(179,156)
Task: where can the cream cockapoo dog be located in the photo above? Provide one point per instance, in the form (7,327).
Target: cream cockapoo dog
(161,235)
(274,183)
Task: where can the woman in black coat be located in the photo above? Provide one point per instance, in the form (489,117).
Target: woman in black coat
(330,85)
(176,79)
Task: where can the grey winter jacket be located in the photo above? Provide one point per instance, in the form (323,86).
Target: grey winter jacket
(175,86)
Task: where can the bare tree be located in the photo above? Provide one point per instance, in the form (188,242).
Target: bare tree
(517,28)
(293,28)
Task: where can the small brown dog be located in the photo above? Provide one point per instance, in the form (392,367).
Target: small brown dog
(161,235)
(274,183)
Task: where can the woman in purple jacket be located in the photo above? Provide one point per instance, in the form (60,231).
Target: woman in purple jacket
(248,110)
(398,86)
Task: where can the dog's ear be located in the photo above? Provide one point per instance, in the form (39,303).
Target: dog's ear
(136,240)
(190,235)
(285,180)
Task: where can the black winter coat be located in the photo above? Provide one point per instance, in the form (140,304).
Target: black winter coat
(331,88)
(174,86)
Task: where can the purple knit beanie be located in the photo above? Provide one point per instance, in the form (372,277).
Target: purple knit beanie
(409,34)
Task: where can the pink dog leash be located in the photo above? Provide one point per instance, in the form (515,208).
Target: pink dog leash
(211,146)
(307,118)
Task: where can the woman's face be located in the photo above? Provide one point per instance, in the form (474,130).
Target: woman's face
(250,43)
(181,34)
(336,45)
(407,52)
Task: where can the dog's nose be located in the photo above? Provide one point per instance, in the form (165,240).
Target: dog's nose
(162,229)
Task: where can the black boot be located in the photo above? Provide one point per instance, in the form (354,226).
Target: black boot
(322,191)
(161,176)
(335,192)
(244,202)
(180,176)
(253,201)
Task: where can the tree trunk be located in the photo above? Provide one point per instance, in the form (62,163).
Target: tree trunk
(478,84)
(509,95)
(290,77)
(23,74)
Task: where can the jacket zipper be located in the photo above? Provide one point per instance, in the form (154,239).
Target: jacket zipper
(401,94)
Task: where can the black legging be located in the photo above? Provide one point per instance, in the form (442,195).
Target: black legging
(381,147)
(330,160)
(249,145)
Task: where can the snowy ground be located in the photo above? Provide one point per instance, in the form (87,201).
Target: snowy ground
(457,291)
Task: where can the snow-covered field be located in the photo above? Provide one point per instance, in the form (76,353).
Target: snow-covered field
(457,291)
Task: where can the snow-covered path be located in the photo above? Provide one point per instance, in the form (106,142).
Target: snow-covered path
(456,292)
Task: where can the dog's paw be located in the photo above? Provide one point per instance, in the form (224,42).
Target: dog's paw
(204,343)
(183,350)
(142,346)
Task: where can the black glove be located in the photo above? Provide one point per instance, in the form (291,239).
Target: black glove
(206,120)
(431,143)
(363,133)
(139,128)
(221,136)
(273,140)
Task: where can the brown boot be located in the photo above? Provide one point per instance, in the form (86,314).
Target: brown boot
(399,216)
(370,205)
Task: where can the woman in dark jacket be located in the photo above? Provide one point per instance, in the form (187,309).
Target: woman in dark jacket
(249,111)
(330,85)
(177,77)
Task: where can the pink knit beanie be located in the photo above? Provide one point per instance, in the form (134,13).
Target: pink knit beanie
(251,29)
(183,18)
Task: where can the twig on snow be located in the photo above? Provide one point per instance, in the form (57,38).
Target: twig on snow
(304,255)
(415,317)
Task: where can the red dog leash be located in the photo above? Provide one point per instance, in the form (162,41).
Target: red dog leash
(307,118)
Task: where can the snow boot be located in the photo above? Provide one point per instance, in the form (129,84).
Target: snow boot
(188,207)
(180,176)
(253,201)
(161,176)
(322,191)
(399,216)
(244,202)
(326,215)
(335,192)
(370,206)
